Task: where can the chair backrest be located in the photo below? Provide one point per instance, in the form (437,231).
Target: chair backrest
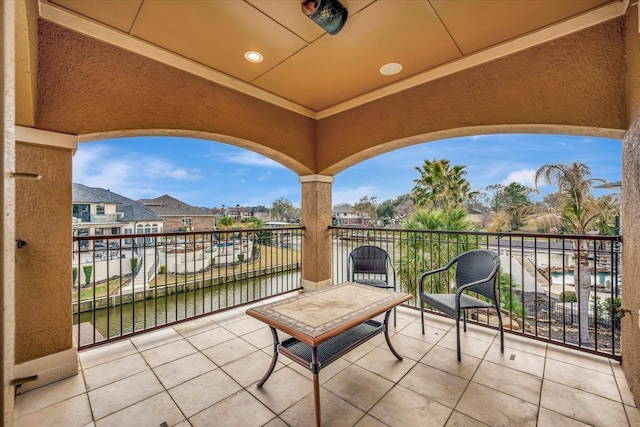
(478,265)
(368,260)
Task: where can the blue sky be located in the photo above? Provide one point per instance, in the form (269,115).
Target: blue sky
(210,174)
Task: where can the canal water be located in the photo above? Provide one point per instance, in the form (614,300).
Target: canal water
(134,317)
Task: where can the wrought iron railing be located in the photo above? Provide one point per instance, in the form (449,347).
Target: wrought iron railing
(539,298)
(131,283)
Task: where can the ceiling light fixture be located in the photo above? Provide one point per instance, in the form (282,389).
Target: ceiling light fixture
(330,15)
(253,56)
(390,69)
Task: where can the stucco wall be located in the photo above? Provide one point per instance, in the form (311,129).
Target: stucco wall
(563,83)
(630,203)
(86,86)
(43,266)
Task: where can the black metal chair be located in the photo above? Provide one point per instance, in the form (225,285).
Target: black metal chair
(476,271)
(371,265)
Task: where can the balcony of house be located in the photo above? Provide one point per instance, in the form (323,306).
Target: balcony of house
(164,337)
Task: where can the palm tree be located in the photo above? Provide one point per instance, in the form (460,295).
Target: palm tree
(578,209)
(421,251)
(440,185)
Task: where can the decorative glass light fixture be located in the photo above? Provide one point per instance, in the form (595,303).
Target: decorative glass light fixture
(330,15)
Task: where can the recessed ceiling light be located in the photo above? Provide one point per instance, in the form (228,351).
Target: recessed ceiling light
(390,69)
(253,56)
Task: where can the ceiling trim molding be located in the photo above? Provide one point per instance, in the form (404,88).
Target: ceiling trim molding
(75,22)
(45,137)
(578,23)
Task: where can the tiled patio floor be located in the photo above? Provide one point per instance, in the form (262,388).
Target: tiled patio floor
(203,373)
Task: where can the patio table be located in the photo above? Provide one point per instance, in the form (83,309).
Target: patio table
(326,324)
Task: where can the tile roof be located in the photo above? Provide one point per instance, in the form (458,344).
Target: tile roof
(169,206)
(132,210)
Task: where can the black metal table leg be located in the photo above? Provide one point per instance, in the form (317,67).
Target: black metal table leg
(386,335)
(276,343)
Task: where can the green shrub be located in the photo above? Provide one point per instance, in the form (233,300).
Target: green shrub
(88,269)
(163,269)
(241,257)
(568,296)
(213,261)
(74,273)
(134,264)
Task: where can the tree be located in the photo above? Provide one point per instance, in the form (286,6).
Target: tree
(74,274)
(225,222)
(440,185)
(578,210)
(283,210)
(516,203)
(252,222)
(424,251)
(366,207)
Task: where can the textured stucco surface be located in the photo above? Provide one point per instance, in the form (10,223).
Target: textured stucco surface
(629,214)
(316,219)
(566,82)
(86,86)
(43,266)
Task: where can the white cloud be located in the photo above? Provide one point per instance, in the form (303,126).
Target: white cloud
(249,158)
(523,176)
(351,195)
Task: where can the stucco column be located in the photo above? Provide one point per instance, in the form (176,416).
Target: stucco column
(316,218)
(44,344)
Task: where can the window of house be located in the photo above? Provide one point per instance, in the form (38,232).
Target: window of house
(115,230)
(100,209)
(154,229)
(186,221)
(99,231)
(147,228)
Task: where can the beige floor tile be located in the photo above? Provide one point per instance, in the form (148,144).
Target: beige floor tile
(369,421)
(583,379)
(244,326)
(240,409)
(194,327)
(229,316)
(229,351)
(359,387)
(71,412)
(617,368)
(468,345)
(625,392)
(282,390)
(178,371)
(334,411)
(249,369)
(201,392)
(435,384)
(510,381)
(633,415)
(326,373)
(210,338)
(578,358)
(410,347)
(149,412)
(550,418)
(359,352)
(126,392)
(582,406)
(153,339)
(522,343)
(106,353)
(260,338)
(479,332)
(461,420)
(276,422)
(432,334)
(517,359)
(162,354)
(402,407)
(495,408)
(445,360)
(114,371)
(48,395)
(382,362)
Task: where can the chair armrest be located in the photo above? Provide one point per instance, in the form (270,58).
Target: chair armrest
(428,273)
(466,286)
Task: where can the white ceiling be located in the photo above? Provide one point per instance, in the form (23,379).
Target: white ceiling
(310,71)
